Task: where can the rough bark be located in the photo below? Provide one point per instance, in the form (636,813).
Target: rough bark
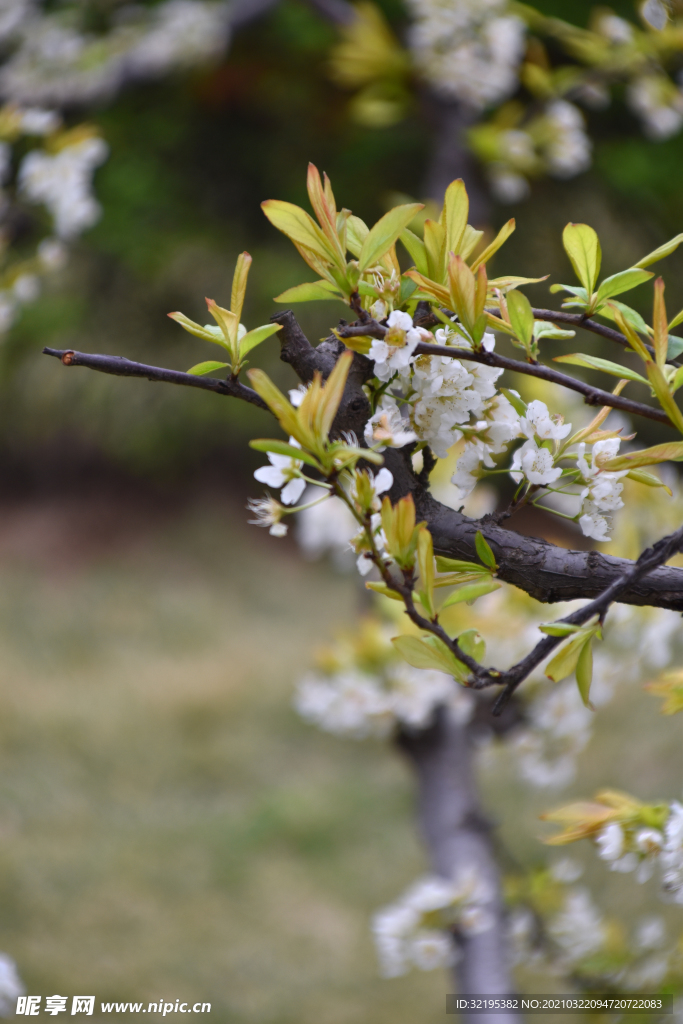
(458,837)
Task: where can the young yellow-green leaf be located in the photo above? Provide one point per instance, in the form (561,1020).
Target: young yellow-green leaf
(425,561)
(594,363)
(207,367)
(333,391)
(661,389)
(300,227)
(559,628)
(384,590)
(674,348)
(421,653)
(661,252)
(471,592)
(582,245)
(566,659)
(622,282)
(253,338)
(239,284)
(506,284)
(631,316)
(649,479)
(660,325)
(266,444)
(678,319)
(454,579)
(669,686)
(521,317)
(627,329)
(670,451)
(456,208)
(276,401)
(416,249)
(584,672)
(495,245)
(356,233)
(208,333)
(515,401)
(470,240)
(455,565)
(385,232)
(472,643)
(430,288)
(435,249)
(484,551)
(312,291)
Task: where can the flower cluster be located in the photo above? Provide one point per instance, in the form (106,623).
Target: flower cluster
(54,61)
(468,51)
(362,689)
(62,182)
(641,849)
(418,930)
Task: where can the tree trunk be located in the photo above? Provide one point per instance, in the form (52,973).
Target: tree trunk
(458,836)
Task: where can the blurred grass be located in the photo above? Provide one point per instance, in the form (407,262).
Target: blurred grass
(170,828)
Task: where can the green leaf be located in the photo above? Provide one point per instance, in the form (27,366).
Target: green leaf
(584,672)
(678,319)
(649,479)
(408,286)
(300,227)
(429,653)
(559,628)
(670,451)
(207,333)
(208,367)
(311,291)
(416,249)
(582,246)
(253,338)
(454,565)
(356,233)
(544,329)
(384,590)
(484,551)
(661,252)
(580,293)
(566,659)
(521,317)
(515,401)
(631,316)
(594,363)
(385,232)
(471,592)
(675,346)
(454,579)
(471,642)
(266,444)
(495,245)
(621,282)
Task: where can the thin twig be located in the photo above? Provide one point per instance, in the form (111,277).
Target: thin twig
(649,560)
(121,367)
(591,395)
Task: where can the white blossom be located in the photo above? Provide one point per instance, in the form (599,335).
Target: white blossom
(283,472)
(658,103)
(468,468)
(578,929)
(11,986)
(394,354)
(469,51)
(387,427)
(672,854)
(568,151)
(537,422)
(326,527)
(62,182)
(594,525)
(610,842)
(268,513)
(534,463)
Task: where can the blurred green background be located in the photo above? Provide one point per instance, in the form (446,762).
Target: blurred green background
(170,828)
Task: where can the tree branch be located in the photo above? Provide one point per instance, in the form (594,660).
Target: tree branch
(121,367)
(650,559)
(591,395)
(458,838)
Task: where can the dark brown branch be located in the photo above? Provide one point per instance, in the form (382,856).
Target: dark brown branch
(121,367)
(651,558)
(546,572)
